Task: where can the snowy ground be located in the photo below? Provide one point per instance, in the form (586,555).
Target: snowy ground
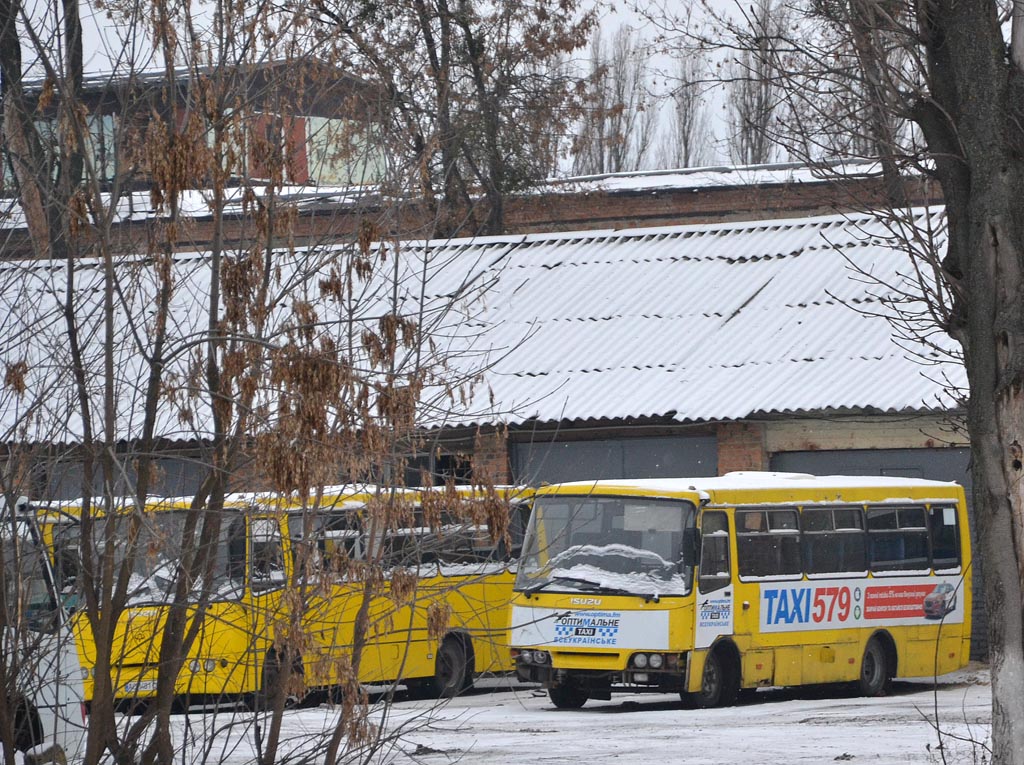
(506,723)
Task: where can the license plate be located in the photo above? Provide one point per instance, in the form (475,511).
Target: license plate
(139,686)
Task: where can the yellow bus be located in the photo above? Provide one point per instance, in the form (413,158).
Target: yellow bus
(709,586)
(272,554)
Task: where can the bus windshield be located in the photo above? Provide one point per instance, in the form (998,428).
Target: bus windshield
(614,545)
(156,563)
(28,596)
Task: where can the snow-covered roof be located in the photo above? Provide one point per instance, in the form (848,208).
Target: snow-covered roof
(693,323)
(199,203)
(712,177)
(710,322)
(788,488)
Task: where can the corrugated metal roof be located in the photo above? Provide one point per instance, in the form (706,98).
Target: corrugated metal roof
(710,323)
(698,323)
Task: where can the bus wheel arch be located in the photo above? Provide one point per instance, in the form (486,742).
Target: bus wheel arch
(270,678)
(453,666)
(28,728)
(878,665)
(470,653)
(721,676)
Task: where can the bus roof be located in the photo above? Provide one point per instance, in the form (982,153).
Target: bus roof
(784,487)
(341,496)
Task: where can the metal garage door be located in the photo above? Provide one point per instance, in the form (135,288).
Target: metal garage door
(934,464)
(662,457)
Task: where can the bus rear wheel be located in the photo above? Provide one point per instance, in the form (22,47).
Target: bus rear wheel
(568,695)
(451,669)
(452,674)
(874,669)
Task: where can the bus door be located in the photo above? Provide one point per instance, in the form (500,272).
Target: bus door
(265,578)
(714,612)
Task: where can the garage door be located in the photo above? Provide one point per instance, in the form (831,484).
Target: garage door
(662,457)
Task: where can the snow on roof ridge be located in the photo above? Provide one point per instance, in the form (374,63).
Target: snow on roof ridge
(681,229)
(729,169)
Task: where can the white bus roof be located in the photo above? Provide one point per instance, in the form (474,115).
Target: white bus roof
(754,480)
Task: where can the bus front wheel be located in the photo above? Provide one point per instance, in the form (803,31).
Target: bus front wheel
(874,670)
(719,683)
(568,695)
(272,679)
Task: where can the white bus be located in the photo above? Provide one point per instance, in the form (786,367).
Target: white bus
(42,711)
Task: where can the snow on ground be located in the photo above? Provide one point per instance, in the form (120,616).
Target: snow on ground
(503,722)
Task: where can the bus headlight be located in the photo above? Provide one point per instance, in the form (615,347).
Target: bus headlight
(541,657)
(210,664)
(194,666)
(656,660)
(640,660)
(526,656)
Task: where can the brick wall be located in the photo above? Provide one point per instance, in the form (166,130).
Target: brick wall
(741,446)
(490,457)
(527,213)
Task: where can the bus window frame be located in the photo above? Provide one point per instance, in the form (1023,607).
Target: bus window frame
(933,510)
(768,533)
(272,582)
(861,532)
(717,581)
(900,532)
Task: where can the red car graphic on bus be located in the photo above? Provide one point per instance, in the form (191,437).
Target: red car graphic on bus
(940,601)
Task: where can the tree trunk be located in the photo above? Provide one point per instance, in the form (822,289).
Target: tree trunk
(996,426)
(18,135)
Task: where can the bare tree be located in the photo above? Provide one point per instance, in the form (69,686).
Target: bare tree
(854,74)
(620,114)
(474,93)
(754,97)
(282,368)
(688,140)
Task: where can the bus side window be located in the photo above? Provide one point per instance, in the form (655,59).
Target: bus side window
(518,519)
(945,537)
(236,550)
(67,566)
(714,552)
(266,569)
(767,543)
(899,539)
(834,540)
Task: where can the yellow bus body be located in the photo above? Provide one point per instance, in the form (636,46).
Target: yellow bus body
(238,635)
(581,638)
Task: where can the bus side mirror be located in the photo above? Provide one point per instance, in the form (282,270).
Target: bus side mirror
(691,546)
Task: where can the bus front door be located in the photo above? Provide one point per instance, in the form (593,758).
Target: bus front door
(714,612)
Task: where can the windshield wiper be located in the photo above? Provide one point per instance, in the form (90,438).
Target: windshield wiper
(537,587)
(591,585)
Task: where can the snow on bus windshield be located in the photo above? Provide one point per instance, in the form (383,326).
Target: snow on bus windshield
(630,545)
